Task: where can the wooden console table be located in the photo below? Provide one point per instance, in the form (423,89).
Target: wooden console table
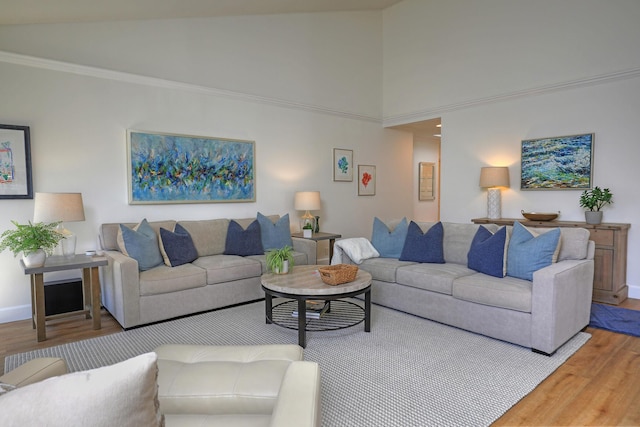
(90,289)
(610,259)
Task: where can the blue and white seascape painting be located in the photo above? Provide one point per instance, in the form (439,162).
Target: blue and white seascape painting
(557,163)
(166,168)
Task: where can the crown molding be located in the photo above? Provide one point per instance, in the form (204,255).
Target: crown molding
(555,87)
(101,73)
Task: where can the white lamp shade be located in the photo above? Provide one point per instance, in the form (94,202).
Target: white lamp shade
(494,176)
(307,201)
(53,207)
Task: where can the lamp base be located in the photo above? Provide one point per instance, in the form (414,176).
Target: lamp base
(67,246)
(493,203)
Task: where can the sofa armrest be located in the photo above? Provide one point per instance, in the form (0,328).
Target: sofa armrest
(560,303)
(120,282)
(34,371)
(308,247)
(298,402)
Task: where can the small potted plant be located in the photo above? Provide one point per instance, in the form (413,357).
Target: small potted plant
(280,260)
(33,241)
(307,230)
(594,200)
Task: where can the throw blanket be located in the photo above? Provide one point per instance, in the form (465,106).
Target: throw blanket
(357,249)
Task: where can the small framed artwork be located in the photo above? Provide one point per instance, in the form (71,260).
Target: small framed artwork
(169,168)
(426,181)
(15,162)
(557,163)
(366,180)
(342,164)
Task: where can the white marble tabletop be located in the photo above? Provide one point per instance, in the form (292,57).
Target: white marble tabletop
(305,280)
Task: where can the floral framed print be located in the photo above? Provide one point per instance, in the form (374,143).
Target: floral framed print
(342,164)
(366,180)
(169,168)
(557,163)
(15,163)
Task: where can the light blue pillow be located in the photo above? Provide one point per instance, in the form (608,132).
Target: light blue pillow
(487,252)
(424,247)
(141,244)
(275,236)
(529,252)
(389,243)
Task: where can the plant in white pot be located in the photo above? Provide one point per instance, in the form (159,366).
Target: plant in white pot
(280,260)
(594,200)
(33,241)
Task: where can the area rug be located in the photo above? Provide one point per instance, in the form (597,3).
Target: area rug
(407,371)
(615,319)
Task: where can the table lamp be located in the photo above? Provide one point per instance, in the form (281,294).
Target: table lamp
(64,207)
(493,178)
(307,201)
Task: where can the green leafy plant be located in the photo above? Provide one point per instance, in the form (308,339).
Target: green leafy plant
(596,198)
(308,226)
(28,238)
(275,258)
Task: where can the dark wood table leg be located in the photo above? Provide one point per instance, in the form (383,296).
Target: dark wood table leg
(38,284)
(268,307)
(302,322)
(331,243)
(86,291)
(367,311)
(94,277)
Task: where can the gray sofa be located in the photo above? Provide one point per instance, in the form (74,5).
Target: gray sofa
(541,314)
(214,280)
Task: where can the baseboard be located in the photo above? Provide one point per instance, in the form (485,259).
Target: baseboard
(13,314)
(634,292)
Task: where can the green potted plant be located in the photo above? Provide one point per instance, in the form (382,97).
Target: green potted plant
(280,260)
(307,230)
(594,200)
(33,241)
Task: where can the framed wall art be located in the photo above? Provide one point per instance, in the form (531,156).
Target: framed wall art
(342,164)
(169,168)
(366,180)
(426,181)
(15,163)
(557,163)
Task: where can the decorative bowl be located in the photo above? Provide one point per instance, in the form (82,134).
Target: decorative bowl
(540,216)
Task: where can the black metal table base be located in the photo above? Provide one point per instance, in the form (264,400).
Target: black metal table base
(329,321)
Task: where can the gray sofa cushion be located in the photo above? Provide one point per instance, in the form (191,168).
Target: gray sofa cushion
(506,292)
(208,236)
(383,269)
(432,277)
(299,258)
(574,242)
(458,238)
(227,268)
(164,279)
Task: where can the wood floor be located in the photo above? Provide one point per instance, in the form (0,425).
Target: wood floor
(597,386)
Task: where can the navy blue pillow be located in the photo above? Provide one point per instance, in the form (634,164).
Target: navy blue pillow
(487,252)
(177,247)
(243,242)
(427,247)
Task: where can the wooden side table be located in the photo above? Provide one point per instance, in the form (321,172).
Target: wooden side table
(610,259)
(331,237)
(90,289)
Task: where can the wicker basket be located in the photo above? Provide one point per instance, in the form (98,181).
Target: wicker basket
(338,274)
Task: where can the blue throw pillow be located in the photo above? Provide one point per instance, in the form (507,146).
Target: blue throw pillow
(141,244)
(243,242)
(488,252)
(529,252)
(424,247)
(177,247)
(389,243)
(275,236)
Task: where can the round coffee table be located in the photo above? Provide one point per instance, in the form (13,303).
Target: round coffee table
(303,283)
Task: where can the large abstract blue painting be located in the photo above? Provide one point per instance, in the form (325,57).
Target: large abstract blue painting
(168,168)
(558,163)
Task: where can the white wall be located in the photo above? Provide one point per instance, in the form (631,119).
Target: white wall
(500,71)
(79,116)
